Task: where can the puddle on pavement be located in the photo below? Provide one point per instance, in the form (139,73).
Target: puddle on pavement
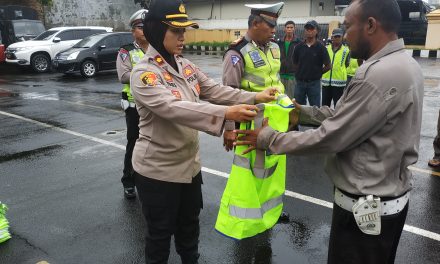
(40,96)
(113,132)
(31,154)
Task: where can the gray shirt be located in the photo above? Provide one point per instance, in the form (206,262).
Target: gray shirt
(373,134)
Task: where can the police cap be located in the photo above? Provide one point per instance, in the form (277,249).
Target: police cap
(170,12)
(269,12)
(311,24)
(136,18)
(337,32)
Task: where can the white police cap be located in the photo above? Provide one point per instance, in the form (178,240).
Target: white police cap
(137,17)
(269,12)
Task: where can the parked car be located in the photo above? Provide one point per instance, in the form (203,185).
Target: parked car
(2,50)
(92,54)
(39,52)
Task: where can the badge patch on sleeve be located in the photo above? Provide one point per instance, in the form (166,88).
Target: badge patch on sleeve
(123,53)
(149,78)
(235,59)
(176,93)
(187,71)
(275,53)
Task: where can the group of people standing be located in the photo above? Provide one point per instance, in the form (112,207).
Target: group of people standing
(358,136)
(309,69)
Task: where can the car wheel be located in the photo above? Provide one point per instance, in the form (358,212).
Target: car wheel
(88,69)
(40,63)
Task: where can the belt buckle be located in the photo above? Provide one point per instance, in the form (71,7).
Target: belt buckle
(366,212)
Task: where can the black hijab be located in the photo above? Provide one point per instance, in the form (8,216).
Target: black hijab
(154,32)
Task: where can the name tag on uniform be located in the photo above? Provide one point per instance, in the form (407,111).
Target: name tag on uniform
(275,53)
(256,58)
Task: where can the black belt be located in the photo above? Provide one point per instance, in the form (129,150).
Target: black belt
(382,198)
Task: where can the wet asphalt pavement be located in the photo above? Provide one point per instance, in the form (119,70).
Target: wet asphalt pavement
(62,141)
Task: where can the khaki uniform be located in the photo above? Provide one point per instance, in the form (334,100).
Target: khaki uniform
(171,112)
(373,134)
(124,65)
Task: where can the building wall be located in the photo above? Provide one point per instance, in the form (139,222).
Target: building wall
(110,13)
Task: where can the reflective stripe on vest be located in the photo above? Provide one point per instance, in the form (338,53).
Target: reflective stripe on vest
(261,70)
(135,56)
(351,70)
(252,200)
(337,76)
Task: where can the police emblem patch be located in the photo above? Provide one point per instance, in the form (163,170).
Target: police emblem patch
(275,53)
(149,78)
(187,71)
(235,59)
(256,58)
(176,93)
(123,53)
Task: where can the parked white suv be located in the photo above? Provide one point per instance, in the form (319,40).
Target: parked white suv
(39,52)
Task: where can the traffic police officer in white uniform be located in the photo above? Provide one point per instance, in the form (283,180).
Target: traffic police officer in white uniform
(127,58)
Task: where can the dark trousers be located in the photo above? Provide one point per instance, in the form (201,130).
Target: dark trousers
(349,245)
(330,93)
(437,140)
(132,120)
(170,209)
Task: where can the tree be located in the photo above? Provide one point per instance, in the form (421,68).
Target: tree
(143,3)
(45,2)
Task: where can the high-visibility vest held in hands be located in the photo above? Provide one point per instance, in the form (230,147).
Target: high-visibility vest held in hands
(337,76)
(252,200)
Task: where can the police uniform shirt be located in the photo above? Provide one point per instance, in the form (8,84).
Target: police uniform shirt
(124,65)
(171,112)
(373,134)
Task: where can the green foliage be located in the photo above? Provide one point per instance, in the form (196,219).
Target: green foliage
(46,2)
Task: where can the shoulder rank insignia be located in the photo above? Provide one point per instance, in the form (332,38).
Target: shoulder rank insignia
(188,71)
(236,42)
(149,78)
(159,60)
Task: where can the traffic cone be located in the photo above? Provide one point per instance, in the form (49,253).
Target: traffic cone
(4,224)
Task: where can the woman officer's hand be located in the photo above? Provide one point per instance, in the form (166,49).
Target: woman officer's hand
(267,95)
(241,113)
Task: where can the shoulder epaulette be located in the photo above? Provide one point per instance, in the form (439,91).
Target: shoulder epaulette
(236,42)
(128,47)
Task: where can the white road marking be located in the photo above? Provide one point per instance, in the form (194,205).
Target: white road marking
(408,228)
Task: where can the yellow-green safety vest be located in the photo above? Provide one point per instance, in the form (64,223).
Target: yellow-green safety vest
(352,68)
(135,56)
(337,76)
(252,201)
(261,70)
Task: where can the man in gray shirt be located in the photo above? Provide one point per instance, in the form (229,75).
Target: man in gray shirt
(370,138)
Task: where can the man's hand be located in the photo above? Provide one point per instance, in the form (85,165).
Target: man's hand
(267,95)
(229,138)
(241,113)
(294,114)
(249,137)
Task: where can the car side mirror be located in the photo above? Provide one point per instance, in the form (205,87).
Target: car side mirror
(56,39)
(102,47)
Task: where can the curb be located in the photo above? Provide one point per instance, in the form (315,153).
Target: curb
(424,53)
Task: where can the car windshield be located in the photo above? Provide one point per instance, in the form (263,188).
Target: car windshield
(46,35)
(88,41)
(28,28)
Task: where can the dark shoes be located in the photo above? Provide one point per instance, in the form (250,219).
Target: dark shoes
(434,163)
(129,192)
(284,218)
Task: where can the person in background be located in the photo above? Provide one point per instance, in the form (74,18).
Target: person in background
(335,80)
(287,47)
(435,161)
(370,138)
(310,61)
(168,91)
(128,56)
